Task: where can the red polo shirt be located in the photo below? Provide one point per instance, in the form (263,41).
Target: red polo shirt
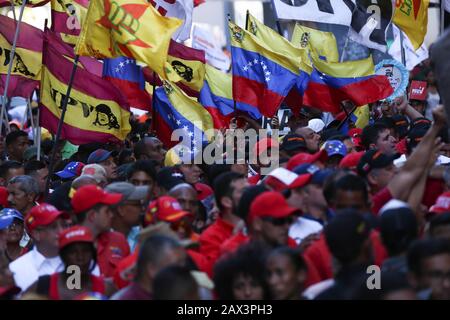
(112,247)
(320,256)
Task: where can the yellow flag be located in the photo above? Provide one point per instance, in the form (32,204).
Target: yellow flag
(68,17)
(412,17)
(362,116)
(131,28)
(324,43)
(268,38)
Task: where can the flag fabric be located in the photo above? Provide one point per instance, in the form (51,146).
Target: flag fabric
(324,43)
(412,57)
(26,69)
(96,110)
(189,64)
(30,3)
(447,5)
(335,12)
(68,17)
(90,64)
(217,97)
(128,77)
(203,39)
(361,116)
(262,77)
(370,22)
(129,28)
(175,110)
(181,9)
(333,82)
(412,18)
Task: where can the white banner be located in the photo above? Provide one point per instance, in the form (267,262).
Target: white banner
(203,39)
(326,11)
(412,58)
(370,22)
(181,9)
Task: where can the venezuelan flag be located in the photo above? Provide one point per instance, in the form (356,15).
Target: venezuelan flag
(175,110)
(26,71)
(262,77)
(324,43)
(332,82)
(96,110)
(129,28)
(217,97)
(67,18)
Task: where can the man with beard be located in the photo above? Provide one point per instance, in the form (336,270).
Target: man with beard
(228,189)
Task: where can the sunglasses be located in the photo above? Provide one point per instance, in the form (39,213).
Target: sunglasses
(279,221)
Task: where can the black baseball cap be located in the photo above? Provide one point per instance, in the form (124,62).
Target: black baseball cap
(168,178)
(374,159)
(401,124)
(293,142)
(414,137)
(346,233)
(421,123)
(397,222)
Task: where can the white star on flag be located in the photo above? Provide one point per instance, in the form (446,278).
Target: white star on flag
(267,73)
(267,79)
(255,61)
(185,128)
(117,69)
(245,68)
(190,134)
(178,122)
(121,64)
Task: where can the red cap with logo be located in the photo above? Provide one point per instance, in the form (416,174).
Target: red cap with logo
(303,158)
(75,234)
(442,203)
(43,215)
(270,204)
(88,196)
(164,208)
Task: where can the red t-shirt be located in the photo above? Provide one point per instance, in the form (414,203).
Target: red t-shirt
(253,180)
(112,247)
(321,259)
(212,238)
(380,199)
(433,189)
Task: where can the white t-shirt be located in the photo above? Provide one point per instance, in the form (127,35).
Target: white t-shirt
(302,228)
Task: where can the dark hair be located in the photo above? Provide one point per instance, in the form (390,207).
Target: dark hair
(248,260)
(152,251)
(370,134)
(65,251)
(424,249)
(34,165)
(386,121)
(398,230)
(329,184)
(147,166)
(216,170)
(439,220)
(81,216)
(352,182)
(7,165)
(13,136)
(140,148)
(294,256)
(174,283)
(249,194)
(123,155)
(222,186)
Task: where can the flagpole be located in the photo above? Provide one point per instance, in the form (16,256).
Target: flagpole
(442,24)
(60,124)
(246,23)
(402,49)
(347,116)
(38,134)
(13,9)
(153,102)
(11,61)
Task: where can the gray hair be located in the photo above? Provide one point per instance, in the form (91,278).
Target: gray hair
(27,184)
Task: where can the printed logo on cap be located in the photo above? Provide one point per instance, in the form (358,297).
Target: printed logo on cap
(75,233)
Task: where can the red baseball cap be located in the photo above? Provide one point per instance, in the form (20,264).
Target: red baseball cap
(270,204)
(301,181)
(351,160)
(355,134)
(74,234)
(88,196)
(442,203)
(43,215)
(418,90)
(164,208)
(303,158)
(203,190)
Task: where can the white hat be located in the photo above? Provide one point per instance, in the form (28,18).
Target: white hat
(393,204)
(316,125)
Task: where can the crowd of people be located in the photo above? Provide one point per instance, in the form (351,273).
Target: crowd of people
(350,213)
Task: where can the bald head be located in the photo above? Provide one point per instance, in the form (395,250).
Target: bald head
(83,180)
(186,196)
